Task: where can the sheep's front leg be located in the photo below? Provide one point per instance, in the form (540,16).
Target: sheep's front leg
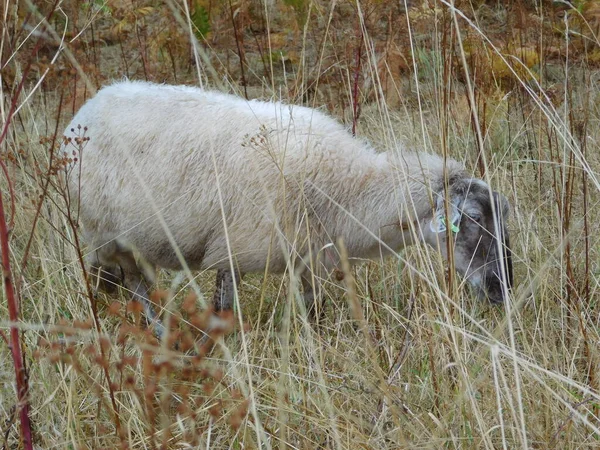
(225,291)
(105,277)
(136,283)
(140,290)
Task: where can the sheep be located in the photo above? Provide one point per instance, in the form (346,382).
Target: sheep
(190,176)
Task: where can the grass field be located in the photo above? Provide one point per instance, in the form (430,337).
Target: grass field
(405,356)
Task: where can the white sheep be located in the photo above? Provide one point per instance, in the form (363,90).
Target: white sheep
(251,184)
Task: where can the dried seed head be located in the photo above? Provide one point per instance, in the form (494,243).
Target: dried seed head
(187,342)
(183,408)
(208,387)
(199,321)
(235,421)
(236,394)
(83,324)
(217,374)
(159,296)
(135,307)
(104,344)
(90,350)
(150,389)
(174,338)
(189,303)
(174,322)
(216,409)
(114,309)
(129,381)
(147,365)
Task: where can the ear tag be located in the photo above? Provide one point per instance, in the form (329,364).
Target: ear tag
(438,224)
(455,221)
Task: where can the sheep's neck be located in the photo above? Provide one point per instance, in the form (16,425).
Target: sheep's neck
(366,215)
(395,203)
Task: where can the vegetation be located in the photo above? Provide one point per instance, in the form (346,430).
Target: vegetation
(405,356)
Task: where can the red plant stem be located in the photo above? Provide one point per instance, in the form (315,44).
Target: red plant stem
(11,194)
(11,298)
(15,347)
(239,49)
(356,78)
(13,307)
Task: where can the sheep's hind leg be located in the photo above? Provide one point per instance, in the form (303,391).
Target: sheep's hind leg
(312,300)
(225,291)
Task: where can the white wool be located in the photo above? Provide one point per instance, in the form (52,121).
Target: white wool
(288,175)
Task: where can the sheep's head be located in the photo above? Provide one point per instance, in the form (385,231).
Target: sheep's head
(481,242)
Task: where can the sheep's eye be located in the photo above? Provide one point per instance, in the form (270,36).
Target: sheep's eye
(475,217)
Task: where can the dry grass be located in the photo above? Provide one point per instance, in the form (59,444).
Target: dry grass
(400,360)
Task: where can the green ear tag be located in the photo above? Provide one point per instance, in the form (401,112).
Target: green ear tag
(453,226)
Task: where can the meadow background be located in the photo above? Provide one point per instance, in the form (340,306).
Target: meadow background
(404,357)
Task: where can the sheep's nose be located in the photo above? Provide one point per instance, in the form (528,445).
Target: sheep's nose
(494,289)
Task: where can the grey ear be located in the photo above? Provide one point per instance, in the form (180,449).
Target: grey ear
(438,222)
(502,205)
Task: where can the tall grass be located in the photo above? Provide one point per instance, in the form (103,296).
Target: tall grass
(404,356)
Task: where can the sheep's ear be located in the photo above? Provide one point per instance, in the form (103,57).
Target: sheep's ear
(502,205)
(438,224)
